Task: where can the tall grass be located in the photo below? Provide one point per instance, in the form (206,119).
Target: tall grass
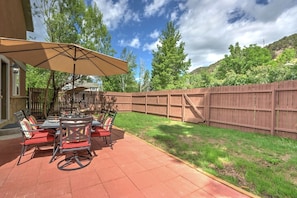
(264,165)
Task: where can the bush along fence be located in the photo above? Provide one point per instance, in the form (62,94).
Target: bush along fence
(265,108)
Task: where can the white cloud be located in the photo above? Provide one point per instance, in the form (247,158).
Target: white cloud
(156,7)
(116,13)
(173,16)
(151,46)
(207,34)
(135,43)
(155,34)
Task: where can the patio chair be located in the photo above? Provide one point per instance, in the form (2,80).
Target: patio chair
(19,115)
(101,116)
(32,119)
(104,131)
(74,137)
(33,137)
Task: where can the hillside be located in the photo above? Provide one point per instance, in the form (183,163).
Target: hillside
(280,45)
(276,48)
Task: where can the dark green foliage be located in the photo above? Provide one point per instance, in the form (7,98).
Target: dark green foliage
(286,42)
(124,82)
(169,61)
(241,60)
(251,65)
(68,21)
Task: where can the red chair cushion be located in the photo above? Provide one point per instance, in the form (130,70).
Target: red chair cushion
(100,132)
(104,133)
(75,145)
(38,139)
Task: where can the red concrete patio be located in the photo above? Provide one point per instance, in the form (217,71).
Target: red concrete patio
(133,168)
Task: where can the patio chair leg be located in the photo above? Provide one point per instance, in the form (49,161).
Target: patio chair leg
(89,152)
(54,154)
(22,154)
(104,139)
(24,149)
(34,152)
(110,142)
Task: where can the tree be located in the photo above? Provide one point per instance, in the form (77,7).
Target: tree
(123,82)
(286,56)
(68,21)
(241,60)
(144,78)
(169,61)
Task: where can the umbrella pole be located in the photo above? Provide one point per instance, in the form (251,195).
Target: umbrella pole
(73,74)
(72,98)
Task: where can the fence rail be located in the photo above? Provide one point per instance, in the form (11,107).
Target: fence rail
(268,108)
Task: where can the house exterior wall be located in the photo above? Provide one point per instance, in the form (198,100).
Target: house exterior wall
(15,21)
(14,18)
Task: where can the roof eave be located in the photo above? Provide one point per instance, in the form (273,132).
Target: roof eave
(28,15)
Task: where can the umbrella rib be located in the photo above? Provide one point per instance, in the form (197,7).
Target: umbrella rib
(86,55)
(109,63)
(64,53)
(95,56)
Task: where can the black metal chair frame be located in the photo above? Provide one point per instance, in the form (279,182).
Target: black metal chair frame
(38,138)
(74,131)
(111,114)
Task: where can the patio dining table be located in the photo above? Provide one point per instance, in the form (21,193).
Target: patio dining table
(54,124)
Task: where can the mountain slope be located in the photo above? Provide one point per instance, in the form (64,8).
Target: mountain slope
(276,48)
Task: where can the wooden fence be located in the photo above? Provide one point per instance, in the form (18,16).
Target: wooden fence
(266,108)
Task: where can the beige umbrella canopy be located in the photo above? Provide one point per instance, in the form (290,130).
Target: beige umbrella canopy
(70,58)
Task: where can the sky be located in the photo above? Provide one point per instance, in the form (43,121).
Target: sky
(207,27)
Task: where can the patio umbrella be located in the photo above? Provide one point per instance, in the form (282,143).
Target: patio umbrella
(64,57)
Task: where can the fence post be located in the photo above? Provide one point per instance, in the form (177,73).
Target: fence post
(168,105)
(146,103)
(272,110)
(207,107)
(183,107)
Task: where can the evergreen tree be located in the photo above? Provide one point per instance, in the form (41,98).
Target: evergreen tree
(169,61)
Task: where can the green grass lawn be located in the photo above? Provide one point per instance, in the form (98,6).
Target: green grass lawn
(261,164)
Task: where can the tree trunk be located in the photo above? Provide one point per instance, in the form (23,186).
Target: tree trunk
(54,98)
(46,95)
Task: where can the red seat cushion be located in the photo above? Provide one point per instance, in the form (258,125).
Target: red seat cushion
(95,134)
(39,135)
(39,138)
(99,132)
(104,133)
(75,145)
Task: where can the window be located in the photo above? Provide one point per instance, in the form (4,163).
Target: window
(15,80)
